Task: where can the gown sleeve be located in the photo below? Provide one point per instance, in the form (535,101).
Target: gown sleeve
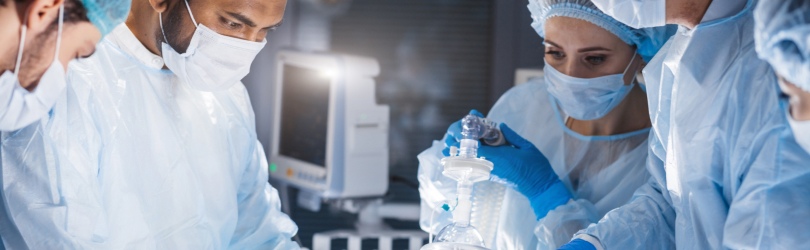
(51,193)
(647,221)
(261,224)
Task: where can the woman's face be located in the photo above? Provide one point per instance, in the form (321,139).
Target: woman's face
(581,49)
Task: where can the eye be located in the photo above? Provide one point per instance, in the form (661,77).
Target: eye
(555,54)
(595,59)
(230,24)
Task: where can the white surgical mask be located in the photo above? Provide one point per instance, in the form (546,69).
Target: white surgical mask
(587,99)
(212,62)
(635,13)
(20,108)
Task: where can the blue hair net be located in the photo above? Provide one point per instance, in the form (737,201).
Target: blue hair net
(107,14)
(782,36)
(647,40)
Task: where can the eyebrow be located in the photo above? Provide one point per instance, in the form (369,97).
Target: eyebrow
(248,22)
(546,41)
(588,49)
(242,18)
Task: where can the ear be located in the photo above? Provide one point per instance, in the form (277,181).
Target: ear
(642,65)
(41,13)
(159,5)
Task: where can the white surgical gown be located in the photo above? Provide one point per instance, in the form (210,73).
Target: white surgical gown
(601,172)
(725,170)
(132,158)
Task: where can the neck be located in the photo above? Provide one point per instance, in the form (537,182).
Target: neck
(143,22)
(686,12)
(630,115)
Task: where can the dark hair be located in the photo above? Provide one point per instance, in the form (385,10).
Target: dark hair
(3,2)
(74,11)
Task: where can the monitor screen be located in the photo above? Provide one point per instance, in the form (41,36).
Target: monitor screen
(304,114)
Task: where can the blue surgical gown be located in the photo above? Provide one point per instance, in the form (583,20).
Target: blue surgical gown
(722,159)
(133,158)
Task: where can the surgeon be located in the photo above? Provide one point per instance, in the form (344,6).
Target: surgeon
(578,137)
(782,36)
(723,160)
(153,145)
(38,38)
(776,197)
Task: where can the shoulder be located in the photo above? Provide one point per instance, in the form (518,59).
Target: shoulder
(528,98)
(534,87)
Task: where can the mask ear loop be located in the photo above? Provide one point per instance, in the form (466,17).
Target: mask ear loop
(160,19)
(22,45)
(628,67)
(191,15)
(59,32)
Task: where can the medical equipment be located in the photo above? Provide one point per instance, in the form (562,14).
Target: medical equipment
(464,166)
(329,135)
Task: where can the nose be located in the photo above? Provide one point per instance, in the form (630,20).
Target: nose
(254,35)
(571,68)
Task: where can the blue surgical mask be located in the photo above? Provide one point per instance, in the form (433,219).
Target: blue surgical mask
(587,99)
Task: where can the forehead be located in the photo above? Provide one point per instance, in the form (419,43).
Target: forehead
(263,12)
(578,32)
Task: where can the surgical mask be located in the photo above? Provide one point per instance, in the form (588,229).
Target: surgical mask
(23,107)
(587,99)
(212,62)
(635,13)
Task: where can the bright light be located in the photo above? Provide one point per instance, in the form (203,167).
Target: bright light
(328,73)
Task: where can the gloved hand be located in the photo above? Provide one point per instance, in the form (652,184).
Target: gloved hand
(578,244)
(521,163)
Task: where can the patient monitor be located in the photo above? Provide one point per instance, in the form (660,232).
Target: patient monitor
(330,137)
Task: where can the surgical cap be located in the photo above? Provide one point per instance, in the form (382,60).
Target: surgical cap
(647,40)
(782,36)
(107,14)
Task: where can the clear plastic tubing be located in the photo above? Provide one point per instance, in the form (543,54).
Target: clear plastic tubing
(488,196)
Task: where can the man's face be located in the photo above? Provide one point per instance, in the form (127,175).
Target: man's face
(244,19)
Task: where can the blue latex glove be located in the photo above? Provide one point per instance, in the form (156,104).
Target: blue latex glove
(578,244)
(520,163)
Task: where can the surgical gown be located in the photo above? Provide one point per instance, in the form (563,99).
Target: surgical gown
(725,170)
(601,173)
(133,158)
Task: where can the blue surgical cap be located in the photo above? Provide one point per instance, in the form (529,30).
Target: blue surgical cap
(647,40)
(782,36)
(106,14)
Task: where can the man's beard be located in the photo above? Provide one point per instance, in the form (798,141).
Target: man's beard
(173,23)
(37,57)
